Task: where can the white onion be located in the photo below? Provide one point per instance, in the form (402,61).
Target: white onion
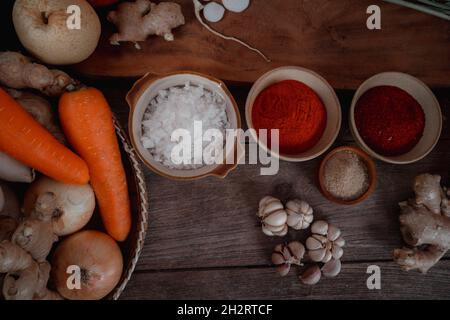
(73,205)
(236,5)
(213,12)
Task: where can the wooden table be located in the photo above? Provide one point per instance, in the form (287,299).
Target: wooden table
(205,242)
(204,239)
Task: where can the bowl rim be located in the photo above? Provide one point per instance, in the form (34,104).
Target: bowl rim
(142,85)
(371,168)
(285,157)
(359,140)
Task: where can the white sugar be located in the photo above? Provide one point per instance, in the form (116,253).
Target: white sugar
(178,108)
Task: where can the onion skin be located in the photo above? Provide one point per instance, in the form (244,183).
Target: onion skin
(99,258)
(73,205)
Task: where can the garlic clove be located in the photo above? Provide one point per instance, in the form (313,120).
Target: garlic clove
(297,249)
(333,233)
(275,229)
(294,221)
(267,231)
(313,244)
(266,200)
(328,256)
(332,268)
(339,242)
(283,269)
(286,254)
(337,252)
(276,218)
(311,276)
(277,258)
(309,219)
(320,227)
(271,208)
(283,232)
(317,255)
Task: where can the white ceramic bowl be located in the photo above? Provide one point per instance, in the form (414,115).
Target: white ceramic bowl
(423,95)
(325,92)
(146,89)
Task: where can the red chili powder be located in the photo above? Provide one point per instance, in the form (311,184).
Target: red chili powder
(389,120)
(296,110)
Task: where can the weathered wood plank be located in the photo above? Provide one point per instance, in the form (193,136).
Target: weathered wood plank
(263,283)
(329,37)
(211,223)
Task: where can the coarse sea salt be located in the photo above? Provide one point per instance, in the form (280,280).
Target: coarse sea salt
(179,108)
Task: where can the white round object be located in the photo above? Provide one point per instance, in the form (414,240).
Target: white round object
(236,5)
(43,29)
(213,12)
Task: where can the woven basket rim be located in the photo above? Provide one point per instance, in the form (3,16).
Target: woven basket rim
(142,216)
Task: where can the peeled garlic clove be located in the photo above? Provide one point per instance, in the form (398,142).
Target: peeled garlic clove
(337,252)
(320,227)
(333,233)
(283,269)
(313,244)
(311,276)
(277,218)
(317,255)
(213,12)
(236,5)
(297,249)
(332,268)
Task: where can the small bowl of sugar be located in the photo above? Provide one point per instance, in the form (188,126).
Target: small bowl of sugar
(179,122)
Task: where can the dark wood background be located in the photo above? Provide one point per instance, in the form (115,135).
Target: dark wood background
(204,239)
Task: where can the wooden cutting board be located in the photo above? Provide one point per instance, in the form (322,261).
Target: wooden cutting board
(327,36)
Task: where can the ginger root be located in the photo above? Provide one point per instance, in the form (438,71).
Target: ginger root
(41,111)
(137,20)
(35,233)
(425,225)
(19,72)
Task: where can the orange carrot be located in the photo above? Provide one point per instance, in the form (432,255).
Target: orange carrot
(24,139)
(87,123)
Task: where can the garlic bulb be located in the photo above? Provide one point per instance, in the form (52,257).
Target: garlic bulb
(326,242)
(300,214)
(284,256)
(273,217)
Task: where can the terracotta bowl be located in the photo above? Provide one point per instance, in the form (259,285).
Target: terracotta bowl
(372,171)
(325,92)
(146,89)
(423,95)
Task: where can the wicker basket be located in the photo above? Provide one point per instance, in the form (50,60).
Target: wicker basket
(139,205)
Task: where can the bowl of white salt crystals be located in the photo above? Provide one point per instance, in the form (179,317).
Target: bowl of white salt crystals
(180,125)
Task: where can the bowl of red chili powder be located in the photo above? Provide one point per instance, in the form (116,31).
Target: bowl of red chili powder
(301,105)
(396,118)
